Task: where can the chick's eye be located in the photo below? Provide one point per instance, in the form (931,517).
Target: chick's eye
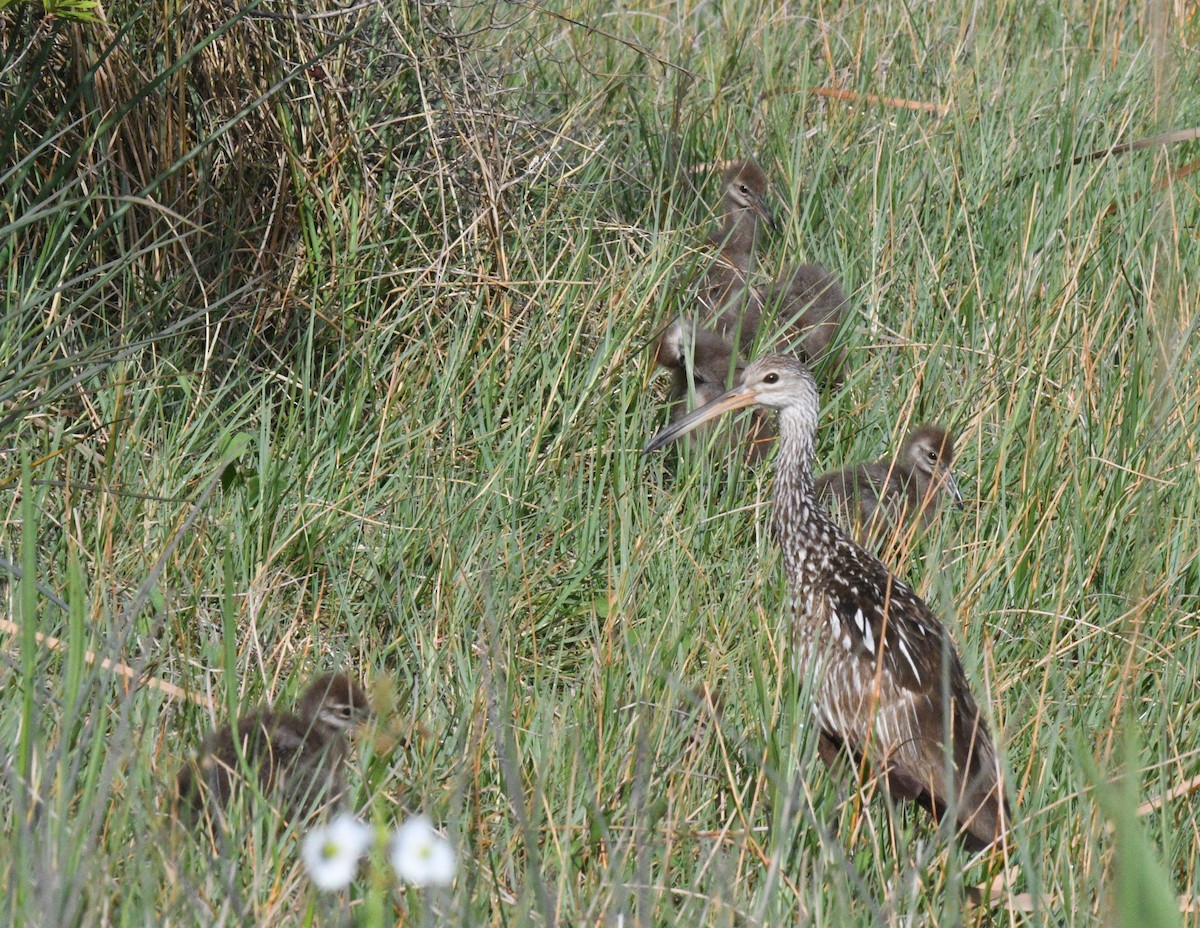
(932,455)
(744,188)
(345,711)
(771,378)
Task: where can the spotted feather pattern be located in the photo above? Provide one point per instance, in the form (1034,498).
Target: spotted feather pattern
(888,685)
(887,675)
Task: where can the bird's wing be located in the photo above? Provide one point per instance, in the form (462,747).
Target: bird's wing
(897,635)
(891,632)
(883,622)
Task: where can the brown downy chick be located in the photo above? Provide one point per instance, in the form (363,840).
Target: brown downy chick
(296,757)
(744,187)
(728,303)
(809,304)
(706,361)
(882,498)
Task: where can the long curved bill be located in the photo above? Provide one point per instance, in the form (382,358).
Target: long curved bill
(951,485)
(737,398)
(759,205)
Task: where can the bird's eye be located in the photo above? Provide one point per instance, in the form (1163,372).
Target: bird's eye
(744,189)
(932,455)
(345,711)
(771,378)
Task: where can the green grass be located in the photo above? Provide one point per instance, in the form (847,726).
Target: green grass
(368,389)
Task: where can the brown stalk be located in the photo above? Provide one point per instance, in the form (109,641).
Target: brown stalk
(57,644)
(851,96)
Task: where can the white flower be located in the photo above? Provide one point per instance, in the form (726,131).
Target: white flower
(331,852)
(420,856)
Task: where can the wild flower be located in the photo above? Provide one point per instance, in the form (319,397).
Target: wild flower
(420,856)
(331,852)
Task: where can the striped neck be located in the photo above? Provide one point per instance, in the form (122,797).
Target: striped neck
(801,526)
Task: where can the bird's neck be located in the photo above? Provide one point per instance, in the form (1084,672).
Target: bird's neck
(737,236)
(902,471)
(801,525)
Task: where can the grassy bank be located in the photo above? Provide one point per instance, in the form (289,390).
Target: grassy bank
(342,362)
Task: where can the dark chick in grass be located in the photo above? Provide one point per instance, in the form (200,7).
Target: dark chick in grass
(295,757)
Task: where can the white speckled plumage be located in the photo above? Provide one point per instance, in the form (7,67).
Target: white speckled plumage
(888,677)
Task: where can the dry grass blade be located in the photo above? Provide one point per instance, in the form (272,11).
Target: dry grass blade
(1154,141)
(90,657)
(871,99)
(850,96)
(1163,139)
(1175,792)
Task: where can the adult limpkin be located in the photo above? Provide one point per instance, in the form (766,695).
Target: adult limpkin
(888,683)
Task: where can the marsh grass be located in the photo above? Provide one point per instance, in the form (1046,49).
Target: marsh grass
(368,390)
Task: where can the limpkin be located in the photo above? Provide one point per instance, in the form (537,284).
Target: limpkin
(883,497)
(726,300)
(887,680)
(706,360)
(809,304)
(295,757)
(723,309)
